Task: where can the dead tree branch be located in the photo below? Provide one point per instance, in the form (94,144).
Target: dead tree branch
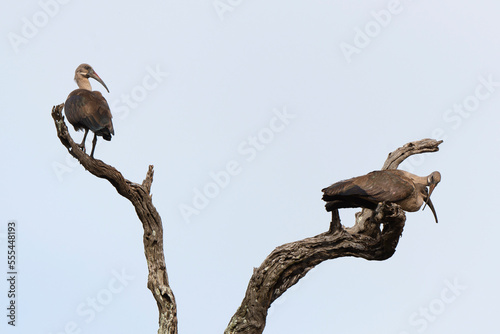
(373,237)
(139,195)
(288,263)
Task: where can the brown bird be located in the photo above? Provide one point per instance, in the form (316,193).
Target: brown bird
(87,109)
(407,190)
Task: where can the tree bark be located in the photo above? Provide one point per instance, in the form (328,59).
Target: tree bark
(139,195)
(374,236)
(288,263)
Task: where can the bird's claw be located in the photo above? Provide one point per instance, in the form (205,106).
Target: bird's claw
(378,212)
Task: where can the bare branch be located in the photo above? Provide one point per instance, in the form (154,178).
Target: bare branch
(139,195)
(284,267)
(148,181)
(414,147)
(288,263)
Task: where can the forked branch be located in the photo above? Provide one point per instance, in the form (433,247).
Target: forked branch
(139,195)
(374,236)
(288,263)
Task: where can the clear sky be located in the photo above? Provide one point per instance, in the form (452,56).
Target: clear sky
(247,109)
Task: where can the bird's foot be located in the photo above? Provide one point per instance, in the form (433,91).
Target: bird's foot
(378,213)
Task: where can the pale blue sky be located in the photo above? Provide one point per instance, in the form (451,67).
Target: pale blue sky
(287,96)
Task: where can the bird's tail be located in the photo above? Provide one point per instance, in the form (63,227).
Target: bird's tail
(350,203)
(107,132)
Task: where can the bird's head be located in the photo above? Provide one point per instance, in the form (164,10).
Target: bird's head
(86,71)
(432,180)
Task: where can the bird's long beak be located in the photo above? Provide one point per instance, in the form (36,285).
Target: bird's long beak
(98,78)
(431,189)
(432,208)
(428,201)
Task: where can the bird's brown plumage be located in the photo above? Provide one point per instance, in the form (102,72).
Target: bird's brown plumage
(400,187)
(88,110)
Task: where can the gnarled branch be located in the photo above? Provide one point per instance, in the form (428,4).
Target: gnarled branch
(288,263)
(284,267)
(139,195)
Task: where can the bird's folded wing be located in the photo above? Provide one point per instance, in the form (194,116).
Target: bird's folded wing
(378,186)
(89,109)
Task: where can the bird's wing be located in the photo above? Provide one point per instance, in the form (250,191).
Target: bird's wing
(377,186)
(103,115)
(73,104)
(89,110)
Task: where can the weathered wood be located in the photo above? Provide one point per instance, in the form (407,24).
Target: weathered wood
(288,263)
(374,236)
(139,195)
(415,147)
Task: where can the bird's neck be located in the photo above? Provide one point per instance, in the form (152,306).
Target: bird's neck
(417,179)
(83,83)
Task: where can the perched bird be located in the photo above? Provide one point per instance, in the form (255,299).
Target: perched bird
(87,109)
(407,190)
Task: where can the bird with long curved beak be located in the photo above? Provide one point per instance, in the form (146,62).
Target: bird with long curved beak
(87,109)
(92,74)
(432,181)
(405,189)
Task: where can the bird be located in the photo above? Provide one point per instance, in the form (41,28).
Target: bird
(396,186)
(87,109)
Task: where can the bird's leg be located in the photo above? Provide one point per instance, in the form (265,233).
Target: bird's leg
(82,145)
(378,213)
(335,224)
(94,141)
